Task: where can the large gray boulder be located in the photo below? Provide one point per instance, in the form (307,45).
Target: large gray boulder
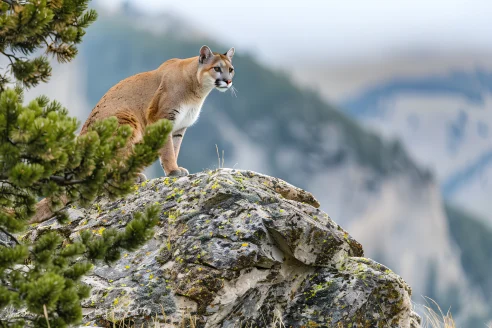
(237,249)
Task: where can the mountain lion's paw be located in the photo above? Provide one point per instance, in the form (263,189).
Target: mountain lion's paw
(185,171)
(140,178)
(180,172)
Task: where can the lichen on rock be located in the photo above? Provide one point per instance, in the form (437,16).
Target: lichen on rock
(237,249)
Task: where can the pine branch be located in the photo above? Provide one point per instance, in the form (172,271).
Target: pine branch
(9,56)
(10,235)
(63,182)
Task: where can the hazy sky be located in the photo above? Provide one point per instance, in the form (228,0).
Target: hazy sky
(335,30)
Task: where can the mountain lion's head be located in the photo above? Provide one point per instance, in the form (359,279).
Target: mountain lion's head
(216,69)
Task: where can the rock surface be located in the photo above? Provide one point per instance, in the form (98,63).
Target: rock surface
(237,249)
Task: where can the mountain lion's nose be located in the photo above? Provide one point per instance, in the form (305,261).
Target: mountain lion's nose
(229,81)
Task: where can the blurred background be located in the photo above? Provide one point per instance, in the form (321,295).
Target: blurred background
(382,109)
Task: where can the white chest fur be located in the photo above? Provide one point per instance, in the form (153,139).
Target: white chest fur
(187,115)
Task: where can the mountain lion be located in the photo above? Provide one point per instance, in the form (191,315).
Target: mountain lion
(174,91)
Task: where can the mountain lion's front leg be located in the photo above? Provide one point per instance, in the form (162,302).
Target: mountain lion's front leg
(168,160)
(177,139)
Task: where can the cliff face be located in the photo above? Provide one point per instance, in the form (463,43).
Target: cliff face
(237,249)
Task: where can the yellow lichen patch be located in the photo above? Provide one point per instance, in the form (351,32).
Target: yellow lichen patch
(244,244)
(127,267)
(100,230)
(126,255)
(151,276)
(115,301)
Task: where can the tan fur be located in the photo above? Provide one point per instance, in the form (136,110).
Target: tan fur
(169,92)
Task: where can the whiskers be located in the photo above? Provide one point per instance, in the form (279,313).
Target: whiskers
(234,91)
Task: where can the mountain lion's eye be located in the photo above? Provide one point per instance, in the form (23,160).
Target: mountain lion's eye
(231,69)
(217,69)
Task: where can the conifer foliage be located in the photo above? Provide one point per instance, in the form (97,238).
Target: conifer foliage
(26,26)
(41,156)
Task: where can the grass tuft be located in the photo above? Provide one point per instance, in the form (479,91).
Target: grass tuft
(221,166)
(434,317)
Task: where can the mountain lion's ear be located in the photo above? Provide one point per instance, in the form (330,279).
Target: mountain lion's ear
(230,53)
(205,54)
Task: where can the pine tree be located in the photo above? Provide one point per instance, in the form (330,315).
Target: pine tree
(41,156)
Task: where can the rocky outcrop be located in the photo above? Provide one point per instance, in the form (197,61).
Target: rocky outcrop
(237,249)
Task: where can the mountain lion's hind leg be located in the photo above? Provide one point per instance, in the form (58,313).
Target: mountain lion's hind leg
(126,117)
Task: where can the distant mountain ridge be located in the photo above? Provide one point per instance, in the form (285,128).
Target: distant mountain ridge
(473,86)
(452,185)
(444,120)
